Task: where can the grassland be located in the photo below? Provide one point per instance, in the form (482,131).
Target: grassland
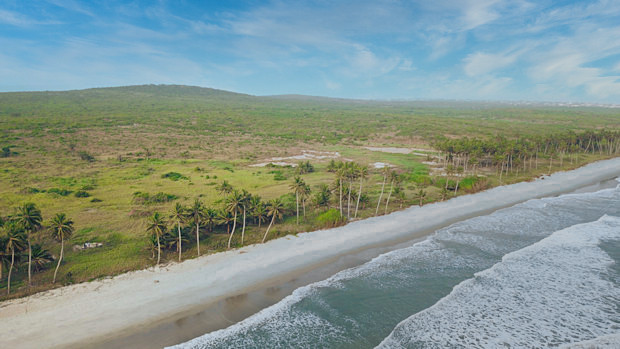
(136,135)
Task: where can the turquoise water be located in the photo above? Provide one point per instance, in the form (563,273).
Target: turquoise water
(539,274)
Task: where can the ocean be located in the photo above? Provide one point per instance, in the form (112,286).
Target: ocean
(544,273)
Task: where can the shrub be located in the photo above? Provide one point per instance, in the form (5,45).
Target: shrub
(175,176)
(86,157)
(95,200)
(31,190)
(61,192)
(330,218)
(147,199)
(81,194)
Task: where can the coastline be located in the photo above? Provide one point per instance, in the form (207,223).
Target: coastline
(85,312)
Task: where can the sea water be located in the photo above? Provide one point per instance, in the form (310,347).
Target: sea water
(544,273)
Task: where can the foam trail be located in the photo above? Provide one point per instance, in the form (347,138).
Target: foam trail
(554,292)
(360,306)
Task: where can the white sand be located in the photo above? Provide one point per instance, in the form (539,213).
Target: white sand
(80,312)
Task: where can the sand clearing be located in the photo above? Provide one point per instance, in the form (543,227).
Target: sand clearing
(305,155)
(395,150)
(79,313)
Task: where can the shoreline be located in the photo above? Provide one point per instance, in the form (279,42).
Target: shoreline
(90,313)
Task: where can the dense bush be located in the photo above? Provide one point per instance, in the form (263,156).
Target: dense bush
(330,218)
(175,176)
(147,199)
(81,194)
(61,192)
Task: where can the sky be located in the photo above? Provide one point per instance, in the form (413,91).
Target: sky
(510,50)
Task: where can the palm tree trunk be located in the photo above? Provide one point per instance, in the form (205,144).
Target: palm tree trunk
(340,181)
(457,186)
(359,195)
(303,204)
(29,262)
(8,290)
(349,201)
(158,250)
(180,247)
(381,195)
(269,227)
(243,229)
(387,202)
(297,205)
(62,250)
(197,238)
(233,229)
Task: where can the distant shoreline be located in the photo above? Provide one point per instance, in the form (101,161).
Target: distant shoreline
(86,313)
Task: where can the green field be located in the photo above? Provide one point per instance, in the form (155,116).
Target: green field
(111,144)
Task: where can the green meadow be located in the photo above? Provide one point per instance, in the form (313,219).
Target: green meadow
(109,158)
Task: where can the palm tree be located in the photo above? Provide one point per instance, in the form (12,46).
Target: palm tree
(340,175)
(275,210)
(305,193)
(298,187)
(351,174)
(444,193)
(28,216)
(196,215)
(362,173)
(157,227)
(210,217)
(233,202)
(245,202)
(322,196)
(178,216)
(421,195)
(459,172)
(385,171)
(40,257)
(5,257)
(225,217)
(393,178)
(225,188)
(61,228)
(257,209)
(15,241)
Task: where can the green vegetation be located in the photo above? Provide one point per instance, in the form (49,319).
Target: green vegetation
(112,158)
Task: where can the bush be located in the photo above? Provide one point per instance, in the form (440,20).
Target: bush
(61,192)
(175,176)
(147,199)
(86,157)
(81,194)
(330,218)
(95,200)
(31,190)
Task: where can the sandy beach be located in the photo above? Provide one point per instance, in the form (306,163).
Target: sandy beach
(89,312)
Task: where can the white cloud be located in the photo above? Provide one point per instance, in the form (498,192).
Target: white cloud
(72,5)
(483,63)
(19,20)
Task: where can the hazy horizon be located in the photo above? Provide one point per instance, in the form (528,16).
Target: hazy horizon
(487,50)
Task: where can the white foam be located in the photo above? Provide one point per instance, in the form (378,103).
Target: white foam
(611,341)
(551,293)
(487,233)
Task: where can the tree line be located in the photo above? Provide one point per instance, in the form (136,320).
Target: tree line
(16,243)
(514,155)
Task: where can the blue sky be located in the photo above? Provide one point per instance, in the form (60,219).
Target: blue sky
(429,49)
